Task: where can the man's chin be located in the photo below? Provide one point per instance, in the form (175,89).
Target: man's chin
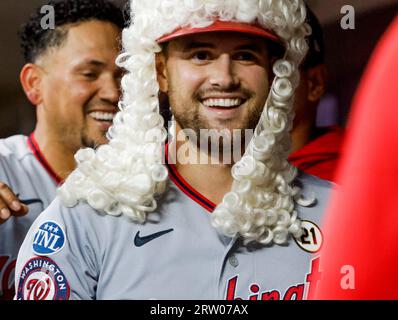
(93,141)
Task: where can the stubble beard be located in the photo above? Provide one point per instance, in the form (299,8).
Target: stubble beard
(74,136)
(235,141)
(86,141)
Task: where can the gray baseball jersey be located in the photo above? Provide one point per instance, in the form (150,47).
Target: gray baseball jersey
(25,170)
(79,253)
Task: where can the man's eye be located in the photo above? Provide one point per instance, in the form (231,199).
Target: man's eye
(201,56)
(89,75)
(245,56)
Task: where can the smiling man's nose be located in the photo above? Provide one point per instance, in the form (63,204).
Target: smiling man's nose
(110,90)
(222,73)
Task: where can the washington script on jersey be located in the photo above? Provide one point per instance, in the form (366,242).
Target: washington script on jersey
(295,292)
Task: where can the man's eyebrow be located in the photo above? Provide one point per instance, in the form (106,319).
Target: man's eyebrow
(92,63)
(197,44)
(252,47)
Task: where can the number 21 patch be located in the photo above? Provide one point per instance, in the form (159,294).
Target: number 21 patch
(312,238)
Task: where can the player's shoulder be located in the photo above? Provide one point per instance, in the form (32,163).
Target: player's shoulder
(81,217)
(316,189)
(307,181)
(14,146)
(58,210)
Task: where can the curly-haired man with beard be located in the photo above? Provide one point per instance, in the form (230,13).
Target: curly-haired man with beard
(247,228)
(71,78)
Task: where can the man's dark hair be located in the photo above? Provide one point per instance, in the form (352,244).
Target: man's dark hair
(35,40)
(316,52)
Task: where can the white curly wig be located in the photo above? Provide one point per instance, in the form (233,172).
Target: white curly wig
(124,176)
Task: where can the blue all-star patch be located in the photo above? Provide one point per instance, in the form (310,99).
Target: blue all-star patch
(49,239)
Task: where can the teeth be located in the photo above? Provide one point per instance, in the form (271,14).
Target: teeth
(224,103)
(102,116)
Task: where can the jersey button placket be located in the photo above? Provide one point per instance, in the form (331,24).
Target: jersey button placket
(225,270)
(233,261)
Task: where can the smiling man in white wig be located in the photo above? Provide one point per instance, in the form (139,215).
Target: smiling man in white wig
(71,78)
(120,229)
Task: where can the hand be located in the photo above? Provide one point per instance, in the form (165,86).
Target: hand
(10,205)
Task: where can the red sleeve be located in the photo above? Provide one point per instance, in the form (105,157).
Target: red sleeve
(361,226)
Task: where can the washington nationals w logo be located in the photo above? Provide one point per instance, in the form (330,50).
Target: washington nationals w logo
(38,289)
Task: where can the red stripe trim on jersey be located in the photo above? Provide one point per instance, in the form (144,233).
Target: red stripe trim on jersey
(187,190)
(34,147)
(185,187)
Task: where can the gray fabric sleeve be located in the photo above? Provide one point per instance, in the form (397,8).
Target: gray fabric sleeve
(58,265)
(3,170)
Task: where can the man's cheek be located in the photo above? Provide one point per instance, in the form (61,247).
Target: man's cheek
(82,93)
(189,78)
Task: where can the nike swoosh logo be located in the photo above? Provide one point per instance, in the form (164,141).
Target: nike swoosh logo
(140,241)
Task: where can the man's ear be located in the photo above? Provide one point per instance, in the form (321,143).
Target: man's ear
(316,82)
(161,72)
(31,78)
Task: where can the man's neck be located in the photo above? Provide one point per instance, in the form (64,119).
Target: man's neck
(301,134)
(59,157)
(213,181)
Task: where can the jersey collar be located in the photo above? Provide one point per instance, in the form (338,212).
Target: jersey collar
(185,187)
(34,147)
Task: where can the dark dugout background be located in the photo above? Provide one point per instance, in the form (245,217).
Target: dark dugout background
(347,52)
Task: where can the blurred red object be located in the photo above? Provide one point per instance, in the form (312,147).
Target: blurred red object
(361,225)
(320,156)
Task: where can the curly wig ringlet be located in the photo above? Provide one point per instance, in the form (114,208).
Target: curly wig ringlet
(124,176)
